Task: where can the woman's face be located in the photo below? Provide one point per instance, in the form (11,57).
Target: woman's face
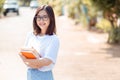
(43,20)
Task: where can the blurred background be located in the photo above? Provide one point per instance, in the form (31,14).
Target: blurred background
(89,32)
(100,15)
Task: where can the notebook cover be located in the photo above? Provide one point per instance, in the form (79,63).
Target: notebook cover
(28,55)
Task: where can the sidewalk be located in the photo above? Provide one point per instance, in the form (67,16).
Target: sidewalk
(85,55)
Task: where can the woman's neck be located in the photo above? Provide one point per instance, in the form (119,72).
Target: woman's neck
(42,33)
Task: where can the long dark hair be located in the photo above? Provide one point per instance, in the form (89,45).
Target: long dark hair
(52,26)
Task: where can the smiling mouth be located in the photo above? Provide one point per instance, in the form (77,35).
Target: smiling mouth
(42,24)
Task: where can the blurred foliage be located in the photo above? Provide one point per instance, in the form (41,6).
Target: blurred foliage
(24,2)
(1,6)
(56,4)
(111,11)
(82,11)
(108,5)
(114,35)
(58,9)
(104,24)
(73,8)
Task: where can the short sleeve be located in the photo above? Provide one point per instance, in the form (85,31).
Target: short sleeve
(52,50)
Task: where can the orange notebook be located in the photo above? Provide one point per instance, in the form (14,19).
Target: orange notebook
(28,53)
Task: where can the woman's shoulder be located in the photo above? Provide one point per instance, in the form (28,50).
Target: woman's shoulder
(30,33)
(54,38)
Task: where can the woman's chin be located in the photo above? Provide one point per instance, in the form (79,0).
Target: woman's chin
(41,27)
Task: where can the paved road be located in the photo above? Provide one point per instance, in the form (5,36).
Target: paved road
(13,30)
(83,55)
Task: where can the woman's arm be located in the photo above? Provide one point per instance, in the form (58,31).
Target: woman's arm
(36,63)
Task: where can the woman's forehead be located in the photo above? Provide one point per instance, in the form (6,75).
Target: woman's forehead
(42,12)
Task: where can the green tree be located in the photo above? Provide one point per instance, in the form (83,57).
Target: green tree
(81,10)
(73,8)
(24,2)
(111,11)
(56,4)
(1,6)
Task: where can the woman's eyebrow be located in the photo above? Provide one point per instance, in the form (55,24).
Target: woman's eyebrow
(43,15)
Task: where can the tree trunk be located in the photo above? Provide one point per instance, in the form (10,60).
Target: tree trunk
(114,34)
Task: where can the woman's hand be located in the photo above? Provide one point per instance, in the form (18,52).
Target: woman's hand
(38,63)
(33,63)
(35,51)
(23,58)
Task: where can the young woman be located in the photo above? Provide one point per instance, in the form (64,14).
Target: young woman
(42,40)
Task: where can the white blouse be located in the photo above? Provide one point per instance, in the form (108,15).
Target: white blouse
(47,46)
